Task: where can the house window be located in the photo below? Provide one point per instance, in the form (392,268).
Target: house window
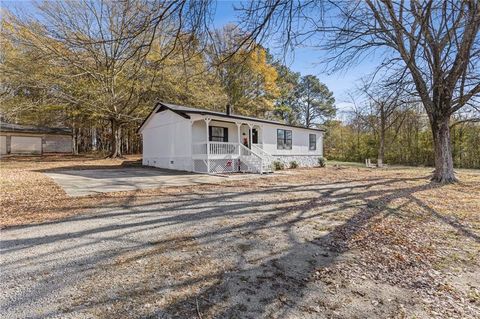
(217,134)
(284,139)
(312,145)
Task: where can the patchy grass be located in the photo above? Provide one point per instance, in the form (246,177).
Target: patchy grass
(337,241)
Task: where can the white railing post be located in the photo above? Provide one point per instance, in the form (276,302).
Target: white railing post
(207,121)
(238,144)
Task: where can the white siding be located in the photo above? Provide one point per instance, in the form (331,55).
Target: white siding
(26,144)
(300,141)
(199,133)
(266,132)
(232,130)
(167,141)
(3,145)
(168,138)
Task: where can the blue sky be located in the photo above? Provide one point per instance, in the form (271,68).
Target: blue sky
(304,60)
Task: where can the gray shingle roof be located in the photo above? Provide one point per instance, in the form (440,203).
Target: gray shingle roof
(8,127)
(185,109)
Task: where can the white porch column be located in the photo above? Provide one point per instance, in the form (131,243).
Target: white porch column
(250,126)
(207,121)
(261,128)
(259,134)
(239,138)
(192,148)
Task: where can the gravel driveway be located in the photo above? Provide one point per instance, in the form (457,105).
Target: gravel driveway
(213,252)
(150,259)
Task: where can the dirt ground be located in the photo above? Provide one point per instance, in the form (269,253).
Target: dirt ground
(337,242)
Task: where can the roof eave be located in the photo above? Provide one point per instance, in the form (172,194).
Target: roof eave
(252,120)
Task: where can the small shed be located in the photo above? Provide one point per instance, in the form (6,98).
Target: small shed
(27,139)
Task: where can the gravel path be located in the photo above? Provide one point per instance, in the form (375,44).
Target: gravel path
(137,260)
(222,252)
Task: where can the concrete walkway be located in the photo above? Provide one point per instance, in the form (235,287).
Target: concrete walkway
(93,181)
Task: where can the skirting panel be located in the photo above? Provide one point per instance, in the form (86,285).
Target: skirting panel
(302,160)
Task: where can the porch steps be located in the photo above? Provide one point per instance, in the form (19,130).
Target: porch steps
(256,165)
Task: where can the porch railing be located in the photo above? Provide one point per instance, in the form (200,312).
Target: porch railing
(229,157)
(216,148)
(250,161)
(222,148)
(267,159)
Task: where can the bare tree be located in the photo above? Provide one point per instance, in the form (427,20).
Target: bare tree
(434,44)
(110,51)
(385,106)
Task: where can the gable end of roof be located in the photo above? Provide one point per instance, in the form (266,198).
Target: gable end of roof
(163,107)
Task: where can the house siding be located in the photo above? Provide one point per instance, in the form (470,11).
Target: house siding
(168,139)
(300,141)
(167,142)
(199,133)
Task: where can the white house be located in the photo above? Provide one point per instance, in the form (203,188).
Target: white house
(189,139)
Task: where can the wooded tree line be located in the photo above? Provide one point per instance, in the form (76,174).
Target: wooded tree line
(409,143)
(388,124)
(431,48)
(99,68)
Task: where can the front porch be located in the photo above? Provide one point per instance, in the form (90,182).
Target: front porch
(220,146)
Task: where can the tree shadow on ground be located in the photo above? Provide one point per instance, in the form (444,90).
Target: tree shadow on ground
(261,248)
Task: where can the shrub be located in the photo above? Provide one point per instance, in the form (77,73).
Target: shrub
(322,162)
(293,164)
(277,165)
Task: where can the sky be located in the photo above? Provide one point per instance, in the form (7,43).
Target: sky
(304,60)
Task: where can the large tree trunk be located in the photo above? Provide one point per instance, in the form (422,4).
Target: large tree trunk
(94,139)
(75,141)
(381,149)
(115,140)
(443,151)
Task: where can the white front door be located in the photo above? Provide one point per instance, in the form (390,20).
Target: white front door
(245,135)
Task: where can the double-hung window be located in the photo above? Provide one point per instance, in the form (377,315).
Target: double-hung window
(218,134)
(284,139)
(312,142)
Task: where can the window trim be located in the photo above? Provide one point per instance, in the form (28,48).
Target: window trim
(312,147)
(211,136)
(284,141)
